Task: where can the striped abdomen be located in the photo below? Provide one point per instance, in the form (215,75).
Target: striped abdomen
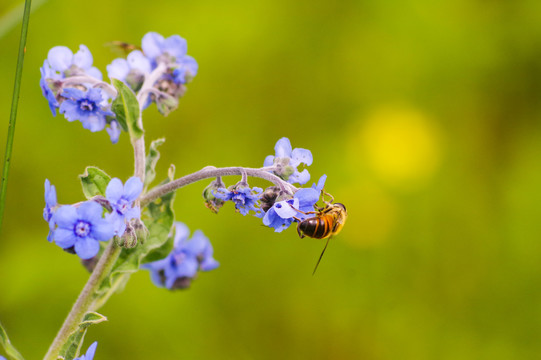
(318,227)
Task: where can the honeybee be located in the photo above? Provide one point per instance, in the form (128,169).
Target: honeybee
(328,221)
(122,48)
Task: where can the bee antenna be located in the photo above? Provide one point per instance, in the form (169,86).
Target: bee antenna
(320,256)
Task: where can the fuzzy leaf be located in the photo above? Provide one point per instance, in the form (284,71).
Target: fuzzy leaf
(152,159)
(11,352)
(126,109)
(94,181)
(72,347)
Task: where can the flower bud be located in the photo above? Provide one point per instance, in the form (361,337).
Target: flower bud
(141,231)
(211,201)
(268,197)
(129,239)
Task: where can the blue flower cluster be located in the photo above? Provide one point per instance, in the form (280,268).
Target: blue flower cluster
(278,208)
(245,199)
(73,86)
(89,352)
(80,227)
(188,257)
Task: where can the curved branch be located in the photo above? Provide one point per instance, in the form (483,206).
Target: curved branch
(210,172)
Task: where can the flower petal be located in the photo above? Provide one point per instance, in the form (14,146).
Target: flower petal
(91,351)
(87,248)
(138,61)
(114,190)
(60,58)
(94,72)
(152,44)
(301,156)
(102,230)
(89,211)
(299,177)
(66,216)
(175,46)
(64,238)
(285,210)
(269,161)
(133,188)
(181,233)
(118,69)
(283,148)
(83,58)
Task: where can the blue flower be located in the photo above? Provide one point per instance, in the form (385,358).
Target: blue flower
(171,51)
(82,227)
(50,204)
(287,159)
(47,76)
(245,199)
(131,70)
(89,107)
(178,269)
(114,131)
(121,198)
(89,353)
(64,62)
(283,213)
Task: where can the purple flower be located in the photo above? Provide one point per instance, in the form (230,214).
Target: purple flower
(65,63)
(283,213)
(179,268)
(89,353)
(90,108)
(132,70)
(245,199)
(287,159)
(82,227)
(50,204)
(121,198)
(49,75)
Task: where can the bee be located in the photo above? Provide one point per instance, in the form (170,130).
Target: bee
(328,221)
(122,48)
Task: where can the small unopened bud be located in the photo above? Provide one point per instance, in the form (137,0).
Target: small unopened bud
(135,79)
(268,197)
(166,104)
(182,283)
(141,231)
(282,168)
(129,239)
(211,201)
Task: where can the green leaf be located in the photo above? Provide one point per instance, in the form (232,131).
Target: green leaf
(158,217)
(126,109)
(152,159)
(72,347)
(11,352)
(94,181)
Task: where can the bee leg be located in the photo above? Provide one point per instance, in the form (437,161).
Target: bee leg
(329,195)
(305,213)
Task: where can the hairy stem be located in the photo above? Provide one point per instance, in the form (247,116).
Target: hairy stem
(14,105)
(139,144)
(85,299)
(210,172)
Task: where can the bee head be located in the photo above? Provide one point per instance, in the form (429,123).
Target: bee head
(341,205)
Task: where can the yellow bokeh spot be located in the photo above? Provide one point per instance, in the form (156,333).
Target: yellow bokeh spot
(400,145)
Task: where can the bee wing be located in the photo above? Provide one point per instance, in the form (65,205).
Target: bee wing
(320,256)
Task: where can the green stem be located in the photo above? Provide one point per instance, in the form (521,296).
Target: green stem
(14,104)
(85,299)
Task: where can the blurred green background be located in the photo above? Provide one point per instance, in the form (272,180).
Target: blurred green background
(425,116)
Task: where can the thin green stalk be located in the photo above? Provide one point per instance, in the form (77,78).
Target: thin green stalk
(14,104)
(85,299)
